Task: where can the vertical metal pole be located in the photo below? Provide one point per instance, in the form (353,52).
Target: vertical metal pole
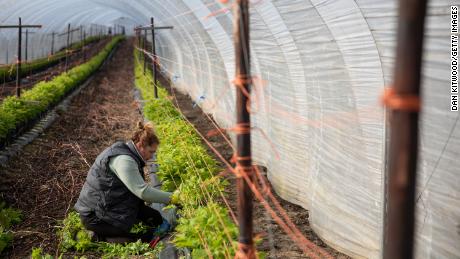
(27,45)
(18,62)
(144,43)
(154,61)
(52,42)
(399,219)
(84,52)
(7,52)
(243,151)
(81,40)
(67,47)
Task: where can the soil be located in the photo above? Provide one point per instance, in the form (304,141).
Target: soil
(45,179)
(9,87)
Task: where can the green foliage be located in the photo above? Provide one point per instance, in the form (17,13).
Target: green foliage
(5,238)
(139,228)
(37,254)
(8,218)
(124,251)
(211,227)
(187,168)
(74,237)
(73,234)
(15,111)
(9,71)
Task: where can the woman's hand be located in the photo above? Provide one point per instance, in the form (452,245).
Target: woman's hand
(175,198)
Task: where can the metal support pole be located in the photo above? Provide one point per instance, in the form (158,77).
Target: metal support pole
(67,47)
(7,53)
(399,217)
(52,42)
(243,151)
(154,61)
(83,49)
(144,39)
(152,28)
(27,45)
(18,62)
(81,40)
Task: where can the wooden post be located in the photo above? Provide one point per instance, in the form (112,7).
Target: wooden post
(399,217)
(243,151)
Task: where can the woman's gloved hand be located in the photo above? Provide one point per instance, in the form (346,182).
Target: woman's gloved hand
(175,199)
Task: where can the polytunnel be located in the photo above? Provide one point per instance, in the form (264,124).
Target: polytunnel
(319,69)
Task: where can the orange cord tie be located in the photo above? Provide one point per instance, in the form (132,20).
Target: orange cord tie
(241,128)
(240,170)
(256,82)
(213,14)
(240,80)
(245,251)
(400,102)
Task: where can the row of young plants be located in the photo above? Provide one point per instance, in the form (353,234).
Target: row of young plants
(73,237)
(8,218)
(186,168)
(8,73)
(17,111)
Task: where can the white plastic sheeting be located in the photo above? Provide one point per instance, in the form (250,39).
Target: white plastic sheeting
(321,67)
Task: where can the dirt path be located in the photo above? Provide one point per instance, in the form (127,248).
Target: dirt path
(44,181)
(276,243)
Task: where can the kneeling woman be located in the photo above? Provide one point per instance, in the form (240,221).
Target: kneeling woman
(112,198)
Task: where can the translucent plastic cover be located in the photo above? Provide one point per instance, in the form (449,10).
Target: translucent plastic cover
(319,70)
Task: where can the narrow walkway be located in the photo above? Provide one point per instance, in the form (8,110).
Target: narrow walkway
(45,179)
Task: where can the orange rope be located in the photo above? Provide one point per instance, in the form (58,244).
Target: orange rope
(245,251)
(222,10)
(400,102)
(307,246)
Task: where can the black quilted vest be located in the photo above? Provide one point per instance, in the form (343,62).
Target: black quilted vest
(105,195)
